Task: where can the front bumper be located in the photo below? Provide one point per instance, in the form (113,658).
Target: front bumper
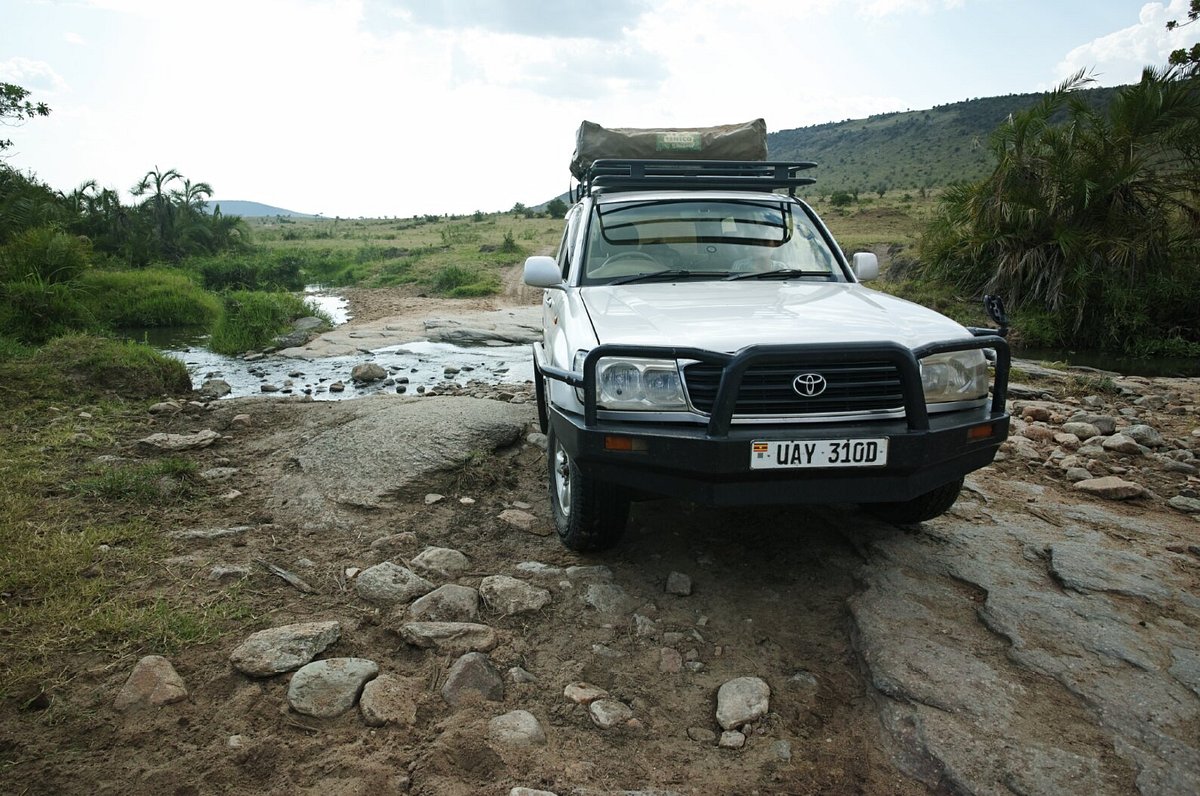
(711,464)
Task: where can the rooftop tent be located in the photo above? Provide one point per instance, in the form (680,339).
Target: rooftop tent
(747,141)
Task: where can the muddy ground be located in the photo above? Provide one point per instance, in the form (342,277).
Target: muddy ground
(1034,640)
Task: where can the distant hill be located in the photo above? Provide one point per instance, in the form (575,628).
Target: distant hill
(907,150)
(235,207)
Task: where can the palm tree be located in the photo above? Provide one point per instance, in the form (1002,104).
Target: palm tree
(159,204)
(1089,219)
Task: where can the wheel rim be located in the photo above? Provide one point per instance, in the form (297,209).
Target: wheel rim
(562,480)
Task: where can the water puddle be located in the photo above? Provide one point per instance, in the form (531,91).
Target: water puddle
(411,368)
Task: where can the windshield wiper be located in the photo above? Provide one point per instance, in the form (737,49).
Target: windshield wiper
(782,273)
(674,273)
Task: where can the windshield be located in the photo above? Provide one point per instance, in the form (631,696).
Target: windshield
(705,239)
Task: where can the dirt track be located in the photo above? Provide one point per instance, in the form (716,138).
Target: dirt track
(974,653)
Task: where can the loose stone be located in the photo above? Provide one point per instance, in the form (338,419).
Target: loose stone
(1185,504)
(433,497)
(679,583)
(607,598)
(741,701)
(389,583)
(608,713)
(1120,443)
(441,562)
(179,442)
(1144,435)
(543,573)
(153,682)
(391,700)
(367,372)
(511,596)
(519,675)
(732,739)
(1111,487)
(669,661)
(448,603)
(330,687)
(524,521)
(473,675)
(450,637)
(584,693)
(281,649)
(516,728)
(701,734)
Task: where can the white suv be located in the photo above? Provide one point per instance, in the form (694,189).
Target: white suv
(705,338)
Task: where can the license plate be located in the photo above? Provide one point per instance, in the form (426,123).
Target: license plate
(776,454)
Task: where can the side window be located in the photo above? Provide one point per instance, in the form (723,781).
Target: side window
(566,249)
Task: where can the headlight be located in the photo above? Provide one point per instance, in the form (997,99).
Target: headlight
(959,376)
(638,384)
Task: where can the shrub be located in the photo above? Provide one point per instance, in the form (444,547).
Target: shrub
(33,312)
(148,298)
(250,320)
(44,254)
(255,271)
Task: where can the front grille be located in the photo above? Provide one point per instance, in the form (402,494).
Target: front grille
(767,389)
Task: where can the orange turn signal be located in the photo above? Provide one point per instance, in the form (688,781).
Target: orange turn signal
(615,443)
(981,432)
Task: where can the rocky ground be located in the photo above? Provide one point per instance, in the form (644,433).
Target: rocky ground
(418,629)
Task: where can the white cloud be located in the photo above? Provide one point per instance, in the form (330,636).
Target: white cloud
(1118,58)
(35,76)
(73,38)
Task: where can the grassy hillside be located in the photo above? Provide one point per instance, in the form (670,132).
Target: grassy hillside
(909,150)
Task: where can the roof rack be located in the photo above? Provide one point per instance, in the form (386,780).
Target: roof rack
(610,175)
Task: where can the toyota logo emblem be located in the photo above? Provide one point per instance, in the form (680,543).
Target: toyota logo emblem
(809,385)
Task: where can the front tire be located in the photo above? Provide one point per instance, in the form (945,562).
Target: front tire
(589,515)
(933,503)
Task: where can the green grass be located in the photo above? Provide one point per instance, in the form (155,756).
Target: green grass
(429,252)
(152,297)
(79,366)
(81,543)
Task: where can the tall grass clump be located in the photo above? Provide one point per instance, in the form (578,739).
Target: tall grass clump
(249,320)
(79,364)
(256,270)
(462,282)
(39,294)
(151,297)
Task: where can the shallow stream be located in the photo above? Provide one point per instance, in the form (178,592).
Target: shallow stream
(412,368)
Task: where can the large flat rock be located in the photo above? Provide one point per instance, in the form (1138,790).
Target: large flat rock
(989,673)
(331,460)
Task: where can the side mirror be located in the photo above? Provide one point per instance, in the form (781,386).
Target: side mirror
(994,307)
(865,266)
(542,271)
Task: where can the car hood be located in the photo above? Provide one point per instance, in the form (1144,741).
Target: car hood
(728,316)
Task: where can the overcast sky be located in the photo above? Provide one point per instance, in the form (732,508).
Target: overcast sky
(399,107)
